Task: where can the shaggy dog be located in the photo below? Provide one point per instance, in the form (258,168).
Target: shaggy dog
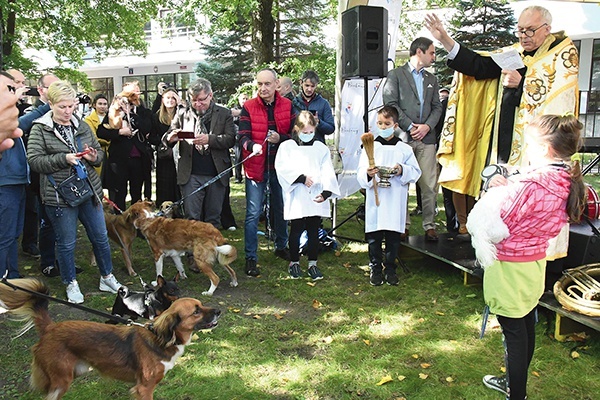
(173,236)
(139,354)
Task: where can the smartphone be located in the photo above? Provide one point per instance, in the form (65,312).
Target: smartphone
(182,135)
(83,153)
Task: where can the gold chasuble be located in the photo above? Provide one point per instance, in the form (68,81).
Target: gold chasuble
(550,87)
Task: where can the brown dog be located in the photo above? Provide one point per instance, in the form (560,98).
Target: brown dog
(121,231)
(171,237)
(128,353)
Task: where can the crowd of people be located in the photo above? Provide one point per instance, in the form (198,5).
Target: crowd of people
(426,135)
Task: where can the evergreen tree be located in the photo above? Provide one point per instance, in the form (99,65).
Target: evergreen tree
(479,25)
(230,60)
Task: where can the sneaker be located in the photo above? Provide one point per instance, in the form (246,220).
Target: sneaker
(109,284)
(73,293)
(251,268)
(283,253)
(295,271)
(390,277)
(232,229)
(50,271)
(314,273)
(32,251)
(376,277)
(416,211)
(497,383)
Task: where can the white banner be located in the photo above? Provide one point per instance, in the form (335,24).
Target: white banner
(352,126)
(353,107)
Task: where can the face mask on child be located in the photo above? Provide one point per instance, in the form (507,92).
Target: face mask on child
(386,133)
(306,137)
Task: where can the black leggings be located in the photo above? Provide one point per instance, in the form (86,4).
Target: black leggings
(297,226)
(519,344)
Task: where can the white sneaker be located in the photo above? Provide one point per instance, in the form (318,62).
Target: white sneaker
(109,284)
(73,293)
(231,228)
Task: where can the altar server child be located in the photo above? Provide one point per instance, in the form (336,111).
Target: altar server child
(305,172)
(388,219)
(510,227)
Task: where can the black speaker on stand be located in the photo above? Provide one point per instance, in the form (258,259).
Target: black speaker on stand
(365,46)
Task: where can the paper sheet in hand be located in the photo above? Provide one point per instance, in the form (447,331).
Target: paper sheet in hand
(508,59)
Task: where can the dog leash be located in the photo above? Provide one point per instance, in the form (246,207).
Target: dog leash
(208,183)
(115,318)
(112,204)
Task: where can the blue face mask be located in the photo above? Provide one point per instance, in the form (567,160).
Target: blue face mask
(306,137)
(386,133)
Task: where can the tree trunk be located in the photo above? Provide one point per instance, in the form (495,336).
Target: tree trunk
(263,26)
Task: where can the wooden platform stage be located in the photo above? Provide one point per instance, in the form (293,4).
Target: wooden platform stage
(461,255)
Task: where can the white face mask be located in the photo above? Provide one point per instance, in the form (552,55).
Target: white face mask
(306,137)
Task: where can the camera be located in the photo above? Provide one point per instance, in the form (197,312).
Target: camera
(84,98)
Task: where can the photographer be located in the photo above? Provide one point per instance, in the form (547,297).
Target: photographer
(127,126)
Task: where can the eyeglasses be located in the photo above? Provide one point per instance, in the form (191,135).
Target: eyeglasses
(528,32)
(198,100)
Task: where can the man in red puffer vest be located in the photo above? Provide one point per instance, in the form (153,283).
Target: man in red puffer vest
(265,122)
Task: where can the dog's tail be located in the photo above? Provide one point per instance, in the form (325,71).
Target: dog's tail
(18,297)
(226,254)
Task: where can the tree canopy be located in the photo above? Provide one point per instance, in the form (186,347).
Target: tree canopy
(68,29)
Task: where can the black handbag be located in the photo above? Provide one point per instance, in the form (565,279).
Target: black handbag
(73,190)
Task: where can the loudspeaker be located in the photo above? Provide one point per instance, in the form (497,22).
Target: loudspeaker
(364,42)
(584,245)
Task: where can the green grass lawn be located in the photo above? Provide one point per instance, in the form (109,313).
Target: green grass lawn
(334,339)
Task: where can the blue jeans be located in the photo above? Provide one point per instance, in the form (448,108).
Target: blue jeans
(64,221)
(12,217)
(255,198)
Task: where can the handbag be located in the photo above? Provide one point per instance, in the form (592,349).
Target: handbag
(74,190)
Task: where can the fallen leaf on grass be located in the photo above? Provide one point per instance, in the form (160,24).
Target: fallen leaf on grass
(367,342)
(327,339)
(316,304)
(470,296)
(574,355)
(449,379)
(278,316)
(337,253)
(439,282)
(440,313)
(312,284)
(425,365)
(401,378)
(347,265)
(248,314)
(577,337)
(536,374)
(415,356)
(423,376)
(503,370)
(256,316)
(384,380)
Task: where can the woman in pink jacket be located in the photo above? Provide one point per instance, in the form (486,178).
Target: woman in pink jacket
(510,228)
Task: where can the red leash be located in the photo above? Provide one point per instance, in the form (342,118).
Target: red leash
(112,204)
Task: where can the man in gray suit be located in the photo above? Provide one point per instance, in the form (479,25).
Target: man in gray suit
(414,92)
(205,154)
